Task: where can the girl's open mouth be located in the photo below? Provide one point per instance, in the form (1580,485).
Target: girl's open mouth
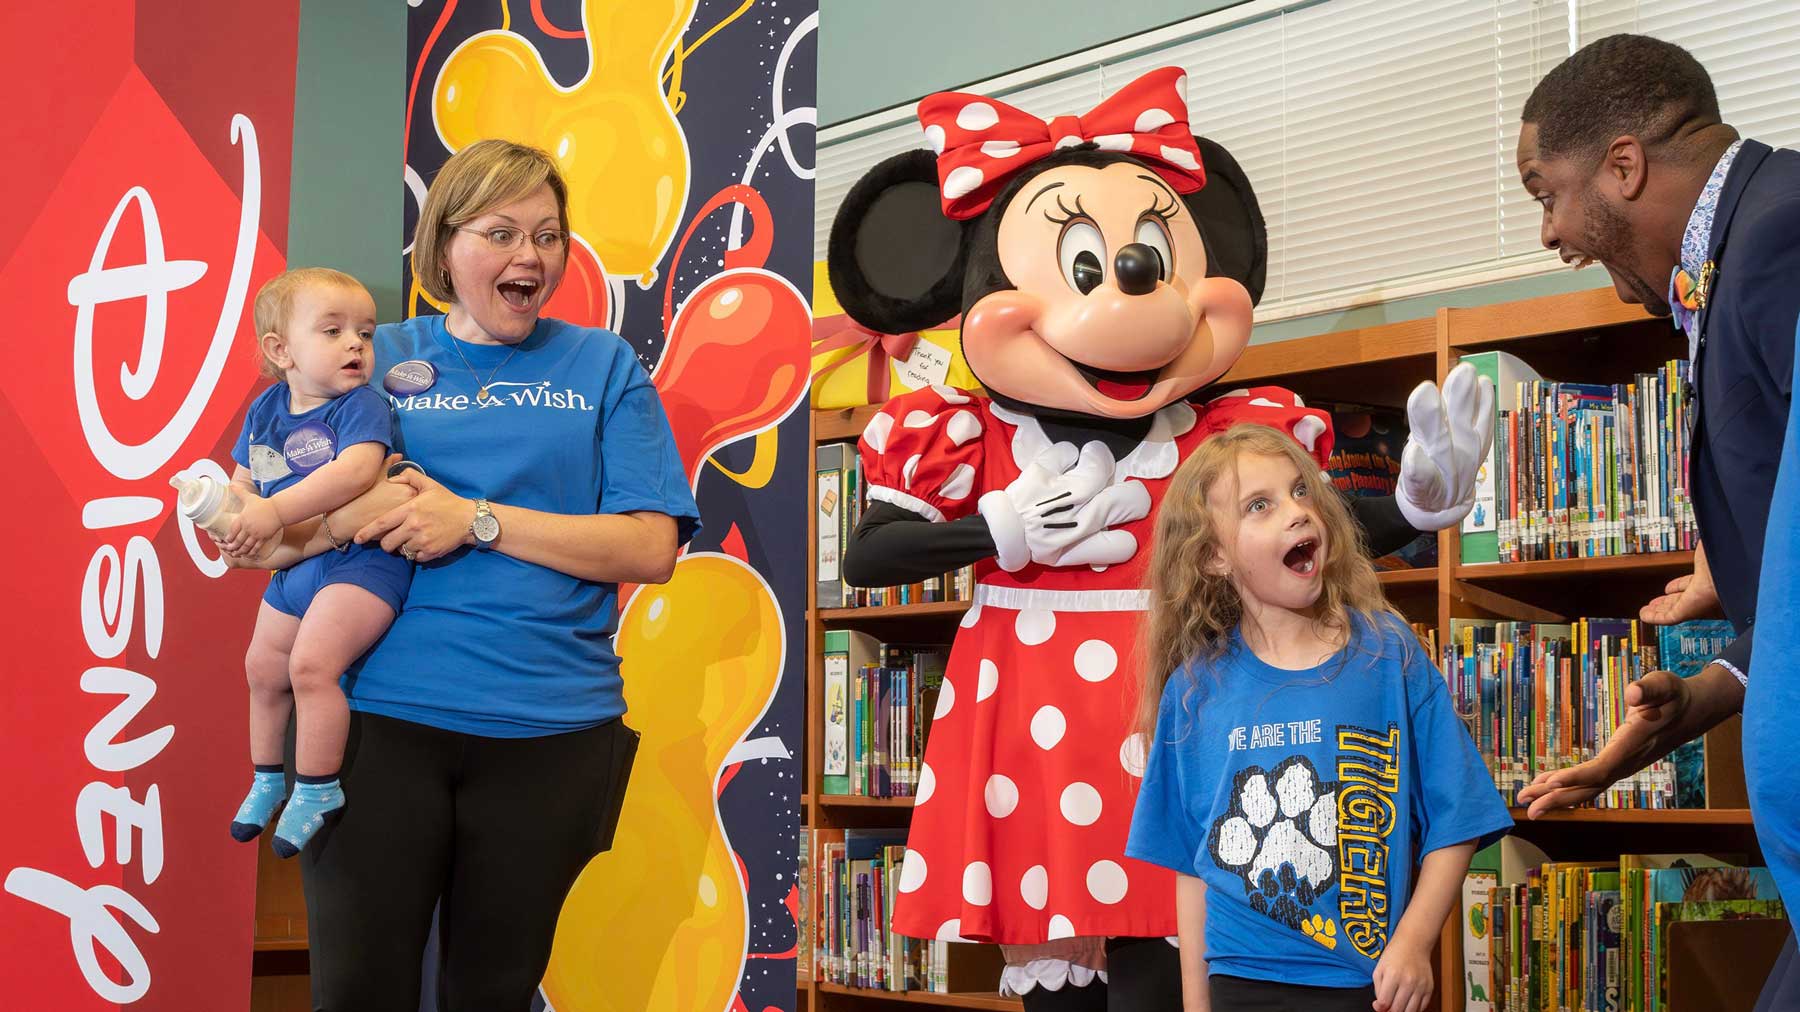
(1302,557)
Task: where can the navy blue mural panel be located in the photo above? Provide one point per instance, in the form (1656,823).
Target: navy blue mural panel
(685,131)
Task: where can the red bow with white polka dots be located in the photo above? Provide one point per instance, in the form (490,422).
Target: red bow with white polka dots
(981,142)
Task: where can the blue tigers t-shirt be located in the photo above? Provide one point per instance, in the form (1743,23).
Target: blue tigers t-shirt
(281,447)
(488,644)
(1306,799)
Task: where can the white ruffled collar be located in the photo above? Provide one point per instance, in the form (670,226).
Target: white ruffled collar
(1156,456)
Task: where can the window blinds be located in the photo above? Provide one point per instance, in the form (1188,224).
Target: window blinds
(1380,134)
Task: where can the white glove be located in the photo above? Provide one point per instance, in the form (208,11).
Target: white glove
(1448,446)
(1060,500)
(1094,541)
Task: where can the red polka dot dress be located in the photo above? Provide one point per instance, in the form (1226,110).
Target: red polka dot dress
(1031,767)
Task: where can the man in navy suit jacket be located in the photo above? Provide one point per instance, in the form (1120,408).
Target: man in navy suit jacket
(1624,147)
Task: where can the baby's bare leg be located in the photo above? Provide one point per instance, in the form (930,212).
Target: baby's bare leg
(266,670)
(341,624)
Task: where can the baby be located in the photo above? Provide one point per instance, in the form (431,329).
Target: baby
(311,443)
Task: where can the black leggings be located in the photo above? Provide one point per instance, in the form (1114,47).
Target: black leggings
(495,828)
(1241,994)
(1143,975)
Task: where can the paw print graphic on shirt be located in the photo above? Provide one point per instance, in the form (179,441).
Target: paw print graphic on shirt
(1320,929)
(1280,837)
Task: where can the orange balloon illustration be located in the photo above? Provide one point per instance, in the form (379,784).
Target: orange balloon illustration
(613,134)
(660,922)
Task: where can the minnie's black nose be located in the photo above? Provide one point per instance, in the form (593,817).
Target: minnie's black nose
(1138,267)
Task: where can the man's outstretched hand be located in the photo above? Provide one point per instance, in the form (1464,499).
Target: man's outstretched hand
(1656,702)
(1686,597)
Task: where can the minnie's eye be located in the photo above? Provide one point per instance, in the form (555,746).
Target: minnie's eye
(1151,233)
(1081,252)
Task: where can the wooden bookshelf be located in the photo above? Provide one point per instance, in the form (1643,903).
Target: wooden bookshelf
(278,963)
(862,801)
(1595,311)
(1650,564)
(933,609)
(1643,816)
(966,1001)
(1582,335)
(1585,336)
(842,424)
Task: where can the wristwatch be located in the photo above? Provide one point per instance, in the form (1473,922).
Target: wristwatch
(485,526)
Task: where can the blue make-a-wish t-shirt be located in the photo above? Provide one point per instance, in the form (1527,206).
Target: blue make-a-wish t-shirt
(488,644)
(281,447)
(1305,800)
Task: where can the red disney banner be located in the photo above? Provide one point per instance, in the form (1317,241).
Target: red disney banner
(146,175)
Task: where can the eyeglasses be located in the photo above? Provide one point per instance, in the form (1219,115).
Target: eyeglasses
(502,239)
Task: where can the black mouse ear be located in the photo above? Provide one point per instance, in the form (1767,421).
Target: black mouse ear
(895,260)
(1231,221)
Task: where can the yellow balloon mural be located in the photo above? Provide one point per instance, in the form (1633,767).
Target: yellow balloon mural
(658,924)
(613,133)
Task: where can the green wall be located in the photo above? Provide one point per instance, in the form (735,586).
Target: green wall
(879,53)
(349,108)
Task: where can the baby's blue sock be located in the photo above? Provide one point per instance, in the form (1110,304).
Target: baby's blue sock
(266,791)
(314,798)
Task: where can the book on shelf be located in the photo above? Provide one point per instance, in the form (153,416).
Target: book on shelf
(830,471)
(803,886)
(857,876)
(1685,649)
(1477,929)
(1427,634)
(842,499)
(1365,461)
(1582,470)
(1594,936)
(954,586)
(878,699)
(1722,965)
(1539,697)
(1653,884)
(847,652)
(1480,531)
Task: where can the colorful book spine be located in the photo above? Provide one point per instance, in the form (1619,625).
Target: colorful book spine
(1538,697)
(1586,471)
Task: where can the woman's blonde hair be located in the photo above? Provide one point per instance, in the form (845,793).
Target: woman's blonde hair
(1193,606)
(485,175)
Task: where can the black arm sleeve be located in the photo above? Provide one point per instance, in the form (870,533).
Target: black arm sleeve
(1384,528)
(893,545)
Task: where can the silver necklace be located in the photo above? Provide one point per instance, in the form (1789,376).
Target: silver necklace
(481,392)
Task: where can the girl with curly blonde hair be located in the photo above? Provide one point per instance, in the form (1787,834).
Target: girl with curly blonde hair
(1308,778)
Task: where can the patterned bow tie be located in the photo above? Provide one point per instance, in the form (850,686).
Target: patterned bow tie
(981,142)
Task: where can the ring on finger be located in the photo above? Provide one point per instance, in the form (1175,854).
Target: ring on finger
(411,556)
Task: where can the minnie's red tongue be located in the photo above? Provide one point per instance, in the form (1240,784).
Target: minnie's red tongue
(1123,390)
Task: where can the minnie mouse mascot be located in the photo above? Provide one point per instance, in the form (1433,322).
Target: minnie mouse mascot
(1105,267)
